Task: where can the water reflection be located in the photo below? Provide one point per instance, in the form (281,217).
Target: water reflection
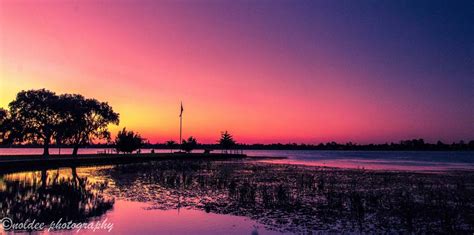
(304,199)
(285,198)
(47,196)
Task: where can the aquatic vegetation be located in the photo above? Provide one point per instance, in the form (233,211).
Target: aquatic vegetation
(282,197)
(303,199)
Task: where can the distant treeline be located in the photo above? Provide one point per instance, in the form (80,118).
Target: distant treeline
(41,118)
(405,145)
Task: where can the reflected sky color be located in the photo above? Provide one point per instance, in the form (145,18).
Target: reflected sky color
(134,217)
(126,217)
(267,71)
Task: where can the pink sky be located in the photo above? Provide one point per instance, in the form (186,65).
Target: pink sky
(257,73)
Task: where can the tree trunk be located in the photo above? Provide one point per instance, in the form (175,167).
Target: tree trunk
(74,176)
(74,150)
(44,177)
(46,147)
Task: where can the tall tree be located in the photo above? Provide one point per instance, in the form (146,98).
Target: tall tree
(36,113)
(3,126)
(9,131)
(3,115)
(84,120)
(226,141)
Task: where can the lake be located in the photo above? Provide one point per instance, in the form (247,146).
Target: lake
(376,160)
(241,196)
(79,195)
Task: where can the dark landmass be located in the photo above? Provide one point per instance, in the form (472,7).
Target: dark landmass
(16,163)
(404,145)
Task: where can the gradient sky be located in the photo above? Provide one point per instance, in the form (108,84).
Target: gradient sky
(267,71)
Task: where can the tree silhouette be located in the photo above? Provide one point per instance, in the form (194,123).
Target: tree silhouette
(84,120)
(9,130)
(189,144)
(226,141)
(40,117)
(3,128)
(3,115)
(36,112)
(171,144)
(128,141)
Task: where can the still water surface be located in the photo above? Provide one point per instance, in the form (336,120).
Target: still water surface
(240,197)
(377,160)
(92,195)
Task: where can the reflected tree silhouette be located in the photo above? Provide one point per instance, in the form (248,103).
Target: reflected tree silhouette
(51,197)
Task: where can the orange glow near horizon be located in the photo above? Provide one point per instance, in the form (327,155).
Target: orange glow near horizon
(144,61)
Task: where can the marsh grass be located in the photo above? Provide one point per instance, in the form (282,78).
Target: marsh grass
(305,199)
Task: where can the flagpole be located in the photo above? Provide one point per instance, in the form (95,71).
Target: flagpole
(181,124)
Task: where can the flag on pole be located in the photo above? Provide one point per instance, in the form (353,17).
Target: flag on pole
(181,113)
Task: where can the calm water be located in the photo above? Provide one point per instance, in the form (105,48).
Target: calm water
(238,197)
(379,160)
(95,196)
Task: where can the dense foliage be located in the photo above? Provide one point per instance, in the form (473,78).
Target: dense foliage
(171,144)
(227,141)
(42,117)
(189,144)
(128,141)
(84,120)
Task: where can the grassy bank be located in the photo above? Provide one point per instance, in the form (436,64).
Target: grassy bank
(16,163)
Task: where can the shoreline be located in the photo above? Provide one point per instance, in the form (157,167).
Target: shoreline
(255,149)
(21,163)
(323,198)
(16,163)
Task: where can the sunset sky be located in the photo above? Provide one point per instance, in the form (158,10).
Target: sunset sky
(266,71)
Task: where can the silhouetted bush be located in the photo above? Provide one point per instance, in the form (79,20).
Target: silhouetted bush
(189,144)
(171,144)
(128,141)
